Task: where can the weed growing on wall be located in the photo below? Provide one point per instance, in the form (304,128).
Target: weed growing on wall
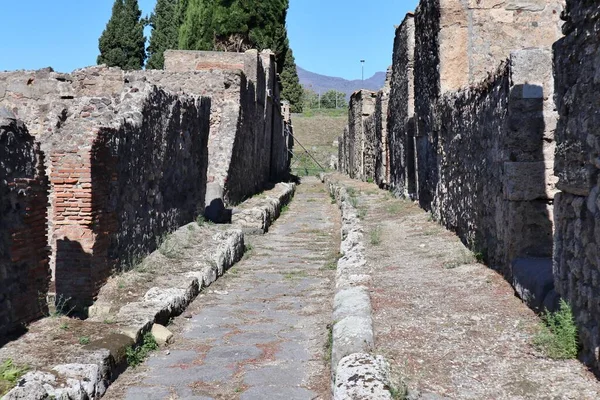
(9,375)
(137,355)
(558,338)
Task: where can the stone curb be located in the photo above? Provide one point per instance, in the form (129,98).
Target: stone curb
(89,376)
(256,215)
(356,373)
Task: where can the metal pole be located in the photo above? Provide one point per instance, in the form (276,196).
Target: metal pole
(307,152)
(362,63)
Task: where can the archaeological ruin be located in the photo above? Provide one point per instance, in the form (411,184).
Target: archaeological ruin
(98,165)
(490,128)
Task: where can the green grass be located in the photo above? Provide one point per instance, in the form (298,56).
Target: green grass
(9,375)
(328,347)
(328,112)
(295,275)
(137,355)
(375,236)
(558,338)
(83,340)
(362,212)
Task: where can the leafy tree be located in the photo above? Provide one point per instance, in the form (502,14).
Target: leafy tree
(310,99)
(292,90)
(239,25)
(122,44)
(333,99)
(165,32)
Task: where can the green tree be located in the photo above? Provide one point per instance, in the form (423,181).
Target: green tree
(333,99)
(122,44)
(239,25)
(292,91)
(165,32)
(310,99)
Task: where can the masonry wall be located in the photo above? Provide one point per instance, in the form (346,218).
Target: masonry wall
(24,271)
(458,44)
(577,211)
(382,158)
(495,185)
(116,145)
(361,137)
(401,121)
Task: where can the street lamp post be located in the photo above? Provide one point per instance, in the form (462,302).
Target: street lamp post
(362,63)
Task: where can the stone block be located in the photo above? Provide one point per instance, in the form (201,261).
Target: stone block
(533,280)
(162,335)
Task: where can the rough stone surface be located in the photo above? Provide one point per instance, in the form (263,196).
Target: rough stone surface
(258,213)
(354,371)
(260,331)
(161,334)
(576,265)
(358,160)
(24,272)
(362,376)
(534,282)
(177,129)
(401,123)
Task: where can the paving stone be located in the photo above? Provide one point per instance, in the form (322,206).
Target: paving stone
(273,393)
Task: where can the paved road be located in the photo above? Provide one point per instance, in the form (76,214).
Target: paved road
(260,332)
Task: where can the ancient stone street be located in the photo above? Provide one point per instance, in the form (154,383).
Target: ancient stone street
(260,332)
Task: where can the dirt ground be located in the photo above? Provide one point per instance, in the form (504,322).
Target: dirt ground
(449,325)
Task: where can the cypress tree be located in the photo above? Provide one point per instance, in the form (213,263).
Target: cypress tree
(238,25)
(122,44)
(291,89)
(165,32)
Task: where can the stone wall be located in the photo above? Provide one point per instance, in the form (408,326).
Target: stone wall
(458,44)
(360,137)
(129,154)
(400,129)
(248,143)
(577,209)
(126,169)
(24,271)
(495,183)
(382,155)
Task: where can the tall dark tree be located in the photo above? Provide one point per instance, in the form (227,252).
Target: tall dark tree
(292,90)
(122,43)
(239,25)
(165,32)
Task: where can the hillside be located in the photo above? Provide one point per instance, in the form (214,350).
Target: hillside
(316,131)
(324,83)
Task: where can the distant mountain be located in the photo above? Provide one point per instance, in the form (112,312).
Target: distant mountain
(324,83)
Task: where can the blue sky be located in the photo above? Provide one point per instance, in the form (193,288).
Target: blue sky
(329,37)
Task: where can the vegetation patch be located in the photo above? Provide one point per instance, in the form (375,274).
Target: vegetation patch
(328,348)
(10,375)
(137,355)
(295,275)
(557,337)
(375,236)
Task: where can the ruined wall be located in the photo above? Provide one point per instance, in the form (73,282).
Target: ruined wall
(577,211)
(495,183)
(382,156)
(247,144)
(400,129)
(116,145)
(24,271)
(361,137)
(458,44)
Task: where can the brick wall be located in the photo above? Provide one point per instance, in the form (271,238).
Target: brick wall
(24,271)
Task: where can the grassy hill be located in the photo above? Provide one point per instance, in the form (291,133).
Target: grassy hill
(316,130)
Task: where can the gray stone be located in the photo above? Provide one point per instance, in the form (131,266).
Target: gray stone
(533,280)
(351,335)
(362,376)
